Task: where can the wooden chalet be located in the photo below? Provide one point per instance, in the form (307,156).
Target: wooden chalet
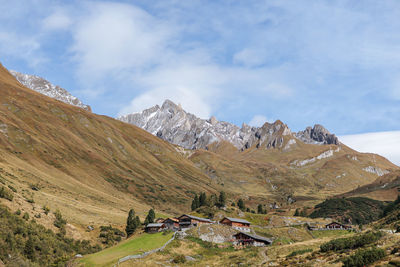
(238,224)
(186,221)
(171,224)
(247,239)
(154,227)
(337,226)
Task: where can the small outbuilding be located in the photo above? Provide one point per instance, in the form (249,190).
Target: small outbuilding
(337,226)
(186,221)
(247,239)
(154,227)
(238,224)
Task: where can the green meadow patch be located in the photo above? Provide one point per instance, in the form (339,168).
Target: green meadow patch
(136,245)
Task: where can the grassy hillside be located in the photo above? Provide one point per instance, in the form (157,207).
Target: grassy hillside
(91,167)
(355,210)
(135,245)
(384,188)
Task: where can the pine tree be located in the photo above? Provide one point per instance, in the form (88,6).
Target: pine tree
(241,205)
(222,199)
(130,223)
(195,202)
(137,222)
(259,209)
(296,213)
(202,199)
(150,217)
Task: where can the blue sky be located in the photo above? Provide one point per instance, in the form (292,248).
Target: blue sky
(336,63)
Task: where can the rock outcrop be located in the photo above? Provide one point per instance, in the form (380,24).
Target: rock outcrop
(317,135)
(44,87)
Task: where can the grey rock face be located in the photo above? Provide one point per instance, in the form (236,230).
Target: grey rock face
(171,123)
(44,87)
(317,135)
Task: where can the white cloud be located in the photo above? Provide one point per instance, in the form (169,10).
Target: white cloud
(258,120)
(386,144)
(117,37)
(57,21)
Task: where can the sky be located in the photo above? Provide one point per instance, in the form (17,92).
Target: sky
(332,62)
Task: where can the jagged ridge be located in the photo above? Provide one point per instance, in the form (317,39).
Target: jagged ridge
(173,124)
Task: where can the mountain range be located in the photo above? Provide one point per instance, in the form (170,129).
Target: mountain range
(173,124)
(95,168)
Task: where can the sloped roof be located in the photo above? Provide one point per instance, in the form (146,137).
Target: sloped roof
(172,219)
(237,220)
(197,218)
(155,225)
(257,237)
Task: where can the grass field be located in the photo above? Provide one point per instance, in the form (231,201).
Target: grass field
(140,244)
(330,233)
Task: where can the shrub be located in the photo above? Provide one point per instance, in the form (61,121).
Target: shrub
(364,257)
(12,188)
(18,212)
(299,252)
(110,235)
(179,259)
(351,242)
(25,216)
(5,193)
(60,222)
(46,210)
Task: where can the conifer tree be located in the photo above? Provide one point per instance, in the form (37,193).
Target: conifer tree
(130,223)
(222,199)
(150,217)
(260,209)
(195,202)
(202,199)
(241,205)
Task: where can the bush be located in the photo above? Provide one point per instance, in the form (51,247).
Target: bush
(46,210)
(351,242)
(12,188)
(364,257)
(299,252)
(109,235)
(59,222)
(179,259)
(5,193)
(25,216)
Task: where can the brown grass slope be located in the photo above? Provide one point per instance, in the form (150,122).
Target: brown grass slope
(384,188)
(93,168)
(273,174)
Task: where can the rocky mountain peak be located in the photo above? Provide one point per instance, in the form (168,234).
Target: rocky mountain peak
(175,125)
(317,135)
(44,87)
